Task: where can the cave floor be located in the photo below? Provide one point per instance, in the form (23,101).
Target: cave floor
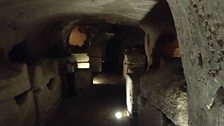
(97,108)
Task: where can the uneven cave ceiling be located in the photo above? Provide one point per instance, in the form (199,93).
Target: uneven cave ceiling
(17,17)
(32,11)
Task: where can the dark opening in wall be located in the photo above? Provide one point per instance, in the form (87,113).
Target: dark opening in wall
(51,84)
(104,43)
(125,38)
(219,99)
(21,99)
(166,50)
(164,41)
(19,53)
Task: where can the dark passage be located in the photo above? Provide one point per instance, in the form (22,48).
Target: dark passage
(95,109)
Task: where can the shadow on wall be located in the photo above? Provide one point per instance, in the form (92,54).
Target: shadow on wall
(19,52)
(217,108)
(43,41)
(166,50)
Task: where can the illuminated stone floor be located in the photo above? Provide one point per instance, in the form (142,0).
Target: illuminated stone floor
(95,109)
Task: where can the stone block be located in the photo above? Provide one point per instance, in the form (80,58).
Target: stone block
(81,57)
(95,51)
(83,80)
(18,111)
(41,73)
(96,64)
(14,80)
(47,98)
(132,93)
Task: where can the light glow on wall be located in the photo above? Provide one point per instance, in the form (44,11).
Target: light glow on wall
(77,38)
(129,95)
(83,65)
(81,57)
(82,60)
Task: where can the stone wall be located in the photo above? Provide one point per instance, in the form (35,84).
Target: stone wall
(199,26)
(46,86)
(17,106)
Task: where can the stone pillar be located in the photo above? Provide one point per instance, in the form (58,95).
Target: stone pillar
(133,67)
(132,93)
(46,85)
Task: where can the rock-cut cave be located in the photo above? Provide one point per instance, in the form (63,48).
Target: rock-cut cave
(111,62)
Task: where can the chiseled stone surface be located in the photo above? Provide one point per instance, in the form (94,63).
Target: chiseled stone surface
(199,25)
(14,80)
(41,73)
(164,90)
(17,16)
(47,99)
(19,111)
(201,41)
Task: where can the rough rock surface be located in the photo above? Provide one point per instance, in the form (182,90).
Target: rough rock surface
(42,72)
(14,80)
(17,16)
(199,25)
(47,98)
(201,40)
(18,111)
(164,90)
